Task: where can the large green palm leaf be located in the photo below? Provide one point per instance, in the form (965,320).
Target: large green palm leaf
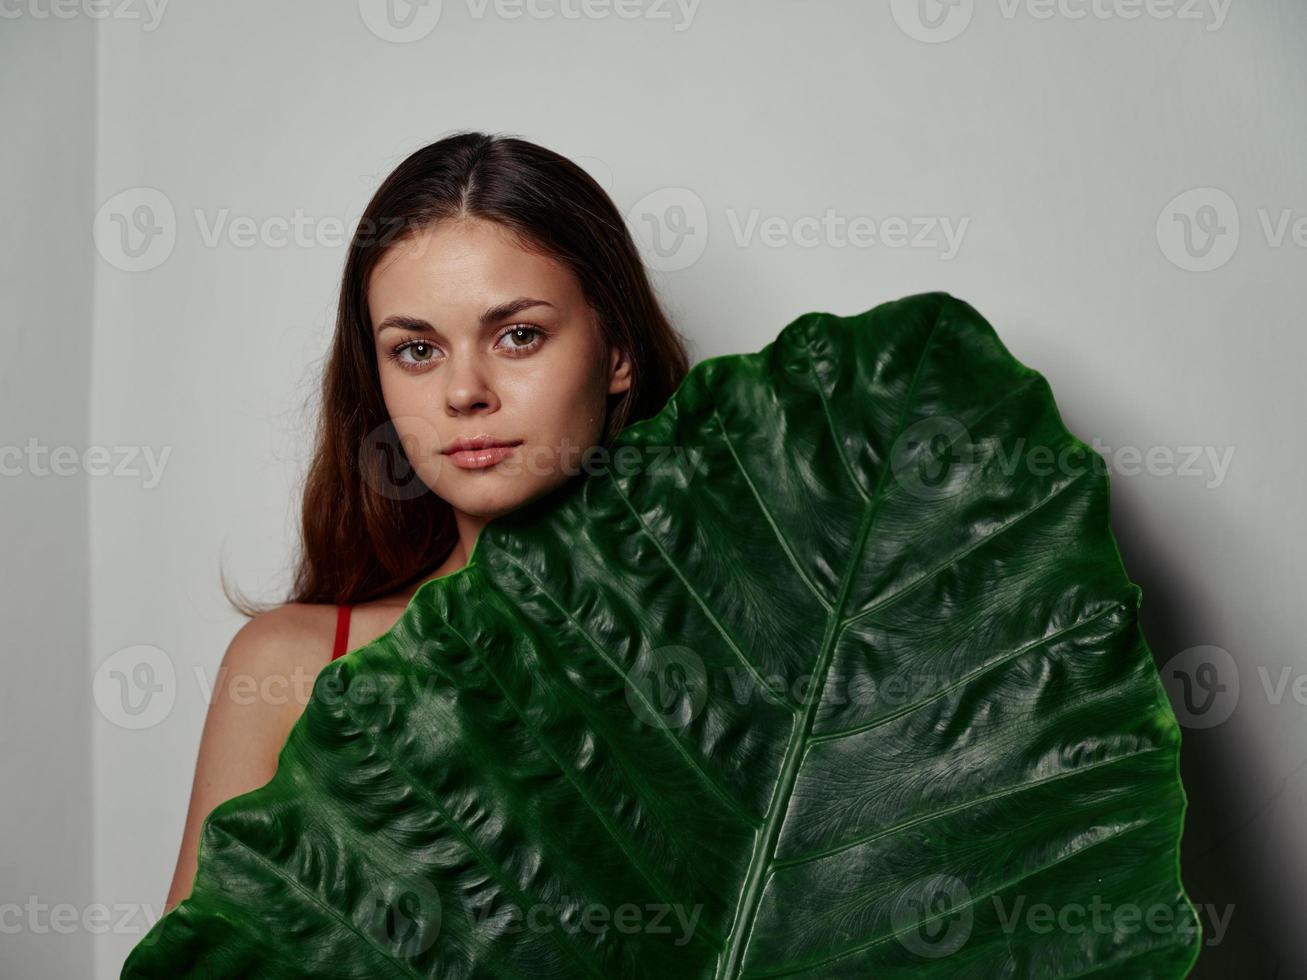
(834,671)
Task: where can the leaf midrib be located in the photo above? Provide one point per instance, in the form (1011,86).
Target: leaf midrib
(730,962)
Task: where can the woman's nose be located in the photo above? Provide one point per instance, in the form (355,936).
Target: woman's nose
(469,388)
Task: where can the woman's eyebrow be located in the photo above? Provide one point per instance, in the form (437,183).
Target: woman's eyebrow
(494,314)
(513,307)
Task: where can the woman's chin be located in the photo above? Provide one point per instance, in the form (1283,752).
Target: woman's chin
(491,497)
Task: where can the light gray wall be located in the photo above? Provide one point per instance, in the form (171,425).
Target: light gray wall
(47,124)
(1064,148)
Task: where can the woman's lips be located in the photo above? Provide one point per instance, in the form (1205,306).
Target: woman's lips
(475,459)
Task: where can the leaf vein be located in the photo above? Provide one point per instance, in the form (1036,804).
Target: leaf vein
(965,679)
(573,777)
(958,556)
(956,808)
(707,778)
(790,969)
(482,857)
(771,521)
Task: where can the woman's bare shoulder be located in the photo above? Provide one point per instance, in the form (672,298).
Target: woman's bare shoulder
(262,687)
(303,634)
(283,637)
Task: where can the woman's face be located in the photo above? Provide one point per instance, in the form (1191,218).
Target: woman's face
(478,337)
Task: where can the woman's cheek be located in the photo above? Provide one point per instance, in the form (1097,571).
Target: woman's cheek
(538,460)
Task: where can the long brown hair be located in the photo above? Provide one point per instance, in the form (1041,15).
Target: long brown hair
(360,539)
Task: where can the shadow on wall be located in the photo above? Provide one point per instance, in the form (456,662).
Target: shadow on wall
(1218,860)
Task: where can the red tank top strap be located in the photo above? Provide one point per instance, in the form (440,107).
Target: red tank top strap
(342,631)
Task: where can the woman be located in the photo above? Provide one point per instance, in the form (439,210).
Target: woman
(495,321)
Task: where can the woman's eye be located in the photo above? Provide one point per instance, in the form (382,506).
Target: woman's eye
(413,354)
(522,338)
(418,350)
